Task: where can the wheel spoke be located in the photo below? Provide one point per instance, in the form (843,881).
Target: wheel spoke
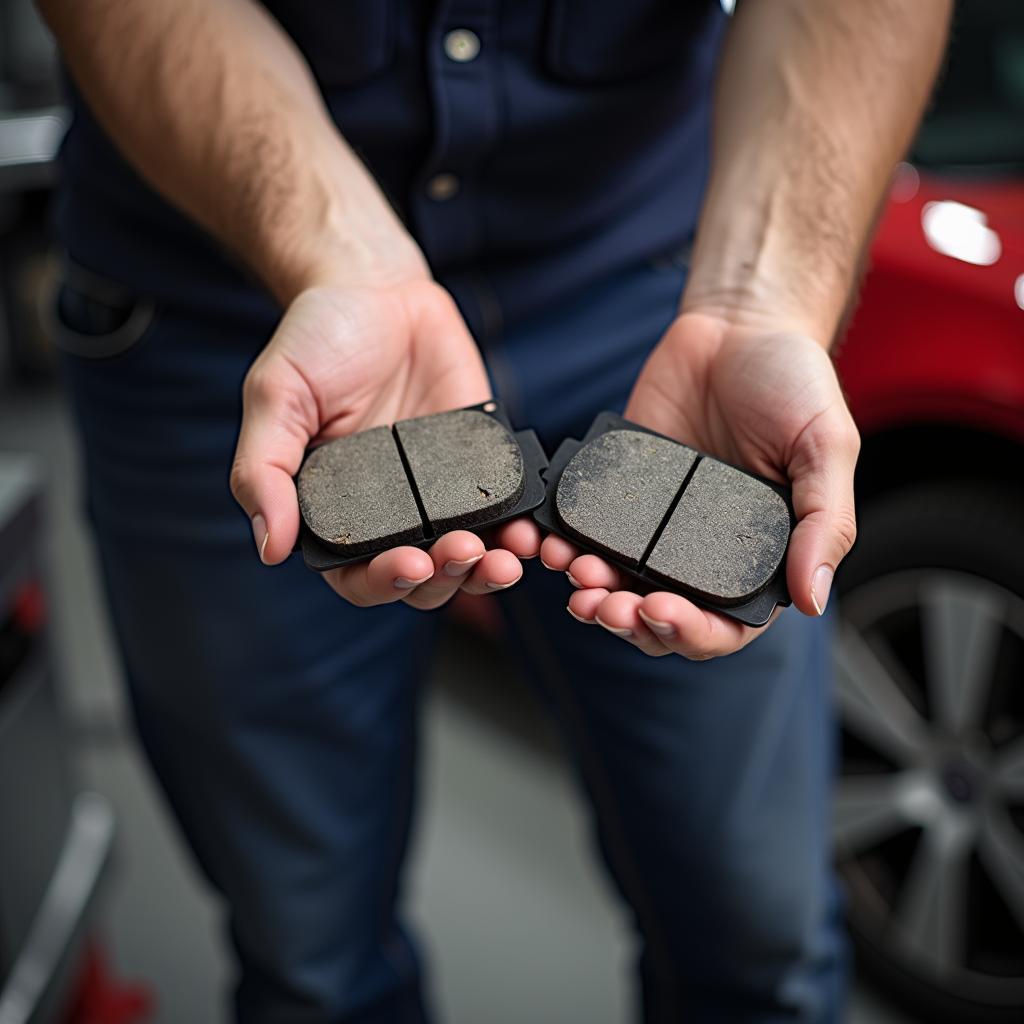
(1002,852)
(872,702)
(962,624)
(867,809)
(931,909)
(1008,774)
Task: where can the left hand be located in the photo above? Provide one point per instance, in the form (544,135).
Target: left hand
(762,396)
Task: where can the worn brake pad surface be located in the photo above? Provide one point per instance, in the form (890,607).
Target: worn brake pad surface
(616,490)
(726,537)
(465,465)
(384,487)
(672,518)
(354,494)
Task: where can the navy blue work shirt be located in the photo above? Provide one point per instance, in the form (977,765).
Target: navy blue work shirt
(531,147)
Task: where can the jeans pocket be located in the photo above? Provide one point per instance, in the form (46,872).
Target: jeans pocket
(96,318)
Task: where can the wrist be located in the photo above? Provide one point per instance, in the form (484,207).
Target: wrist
(747,309)
(343,233)
(341,257)
(761,260)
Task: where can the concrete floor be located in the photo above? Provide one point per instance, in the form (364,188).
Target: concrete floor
(520,924)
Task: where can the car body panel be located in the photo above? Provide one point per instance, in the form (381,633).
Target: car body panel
(936,338)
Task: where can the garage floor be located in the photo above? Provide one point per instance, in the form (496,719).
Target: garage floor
(501,837)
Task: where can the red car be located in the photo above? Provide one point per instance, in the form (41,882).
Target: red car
(929,825)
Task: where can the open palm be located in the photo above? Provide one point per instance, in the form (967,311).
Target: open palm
(345,360)
(764,399)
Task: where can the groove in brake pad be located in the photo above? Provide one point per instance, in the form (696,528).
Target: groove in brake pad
(672,518)
(465,465)
(354,494)
(601,497)
(368,492)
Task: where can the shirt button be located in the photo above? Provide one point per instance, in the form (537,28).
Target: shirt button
(442,187)
(461,45)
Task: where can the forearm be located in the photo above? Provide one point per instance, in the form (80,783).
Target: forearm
(215,107)
(815,104)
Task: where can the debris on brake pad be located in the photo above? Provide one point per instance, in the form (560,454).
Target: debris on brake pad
(354,495)
(600,496)
(365,493)
(465,465)
(726,537)
(671,518)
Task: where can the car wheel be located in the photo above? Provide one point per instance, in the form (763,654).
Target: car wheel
(929,806)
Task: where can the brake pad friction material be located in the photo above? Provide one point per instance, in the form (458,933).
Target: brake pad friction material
(354,495)
(726,538)
(465,465)
(616,490)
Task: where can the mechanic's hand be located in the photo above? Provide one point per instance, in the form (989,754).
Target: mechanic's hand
(344,360)
(764,399)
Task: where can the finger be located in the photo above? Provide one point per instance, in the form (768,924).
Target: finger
(389,577)
(822,471)
(521,537)
(618,613)
(589,571)
(498,570)
(454,555)
(557,553)
(583,605)
(278,422)
(690,631)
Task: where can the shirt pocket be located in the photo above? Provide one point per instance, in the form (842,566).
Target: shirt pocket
(95,318)
(345,41)
(605,43)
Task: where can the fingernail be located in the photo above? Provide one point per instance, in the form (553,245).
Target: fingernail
(502,586)
(614,629)
(260,534)
(404,583)
(546,566)
(454,568)
(821,584)
(579,618)
(664,629)
(575,582)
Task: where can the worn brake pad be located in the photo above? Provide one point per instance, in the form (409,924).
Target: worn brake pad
(465,465)
(672,518)
(354,495)
(727,536)
(368,492)
(617,489)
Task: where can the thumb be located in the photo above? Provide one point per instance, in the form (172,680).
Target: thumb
(278,421)
(822,469)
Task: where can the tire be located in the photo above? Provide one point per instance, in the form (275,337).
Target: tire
(929,804)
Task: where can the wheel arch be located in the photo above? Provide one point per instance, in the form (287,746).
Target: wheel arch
(902,455)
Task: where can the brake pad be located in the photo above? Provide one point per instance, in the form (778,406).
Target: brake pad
(726,537)
(354,495)
(600,498)
(672,518)
(465,466)
(385,487)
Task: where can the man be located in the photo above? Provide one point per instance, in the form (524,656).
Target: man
(354,197)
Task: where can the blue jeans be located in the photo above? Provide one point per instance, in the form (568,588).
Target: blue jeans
(282,722)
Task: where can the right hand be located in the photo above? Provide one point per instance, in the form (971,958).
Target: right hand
(344,360)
